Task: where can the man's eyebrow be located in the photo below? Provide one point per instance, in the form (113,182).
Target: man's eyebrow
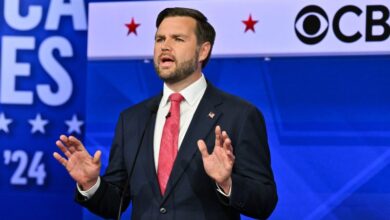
(172,35)
(179,35)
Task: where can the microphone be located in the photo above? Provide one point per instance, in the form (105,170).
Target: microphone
(154,111)
(168,115)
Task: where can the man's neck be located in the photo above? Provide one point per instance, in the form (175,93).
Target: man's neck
(178,86)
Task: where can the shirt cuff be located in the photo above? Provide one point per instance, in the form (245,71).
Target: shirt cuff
(90,192)
(219,189)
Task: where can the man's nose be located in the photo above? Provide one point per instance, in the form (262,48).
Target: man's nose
(166,45)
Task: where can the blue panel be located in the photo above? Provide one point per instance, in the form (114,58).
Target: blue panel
(327,119)
(23,195)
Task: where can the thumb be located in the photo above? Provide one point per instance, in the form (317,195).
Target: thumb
(203,148)
(96,157)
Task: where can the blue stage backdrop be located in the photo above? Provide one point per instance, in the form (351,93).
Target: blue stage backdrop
(327,120)
(42,95)
(328,117)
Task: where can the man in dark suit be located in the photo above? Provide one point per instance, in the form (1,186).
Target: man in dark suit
(192,152)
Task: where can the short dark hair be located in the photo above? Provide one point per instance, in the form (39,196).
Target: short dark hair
(204,31)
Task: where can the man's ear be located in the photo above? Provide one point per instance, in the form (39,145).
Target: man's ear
(204,51)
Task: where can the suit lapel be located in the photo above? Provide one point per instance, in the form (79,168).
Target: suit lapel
(149,161)
(202,123)
(149,165)
(147,119)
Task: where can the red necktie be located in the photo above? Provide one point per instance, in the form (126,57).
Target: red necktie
(169,141)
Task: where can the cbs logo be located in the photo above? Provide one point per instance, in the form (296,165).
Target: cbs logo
(312,24)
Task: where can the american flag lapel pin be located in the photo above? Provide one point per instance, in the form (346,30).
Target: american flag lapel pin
(211,115)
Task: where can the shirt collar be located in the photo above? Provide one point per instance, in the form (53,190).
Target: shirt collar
(191,93)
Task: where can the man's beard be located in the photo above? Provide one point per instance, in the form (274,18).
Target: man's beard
(183,70)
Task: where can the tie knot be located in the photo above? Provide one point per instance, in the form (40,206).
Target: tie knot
(176,97)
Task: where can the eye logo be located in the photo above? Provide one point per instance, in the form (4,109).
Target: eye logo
(311,24)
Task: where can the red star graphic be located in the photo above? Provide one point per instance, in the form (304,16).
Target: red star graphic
(250,24)
(132,26)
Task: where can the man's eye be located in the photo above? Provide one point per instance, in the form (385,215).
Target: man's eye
(179,40)
(159,40)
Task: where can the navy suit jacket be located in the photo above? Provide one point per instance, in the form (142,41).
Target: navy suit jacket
(190,193)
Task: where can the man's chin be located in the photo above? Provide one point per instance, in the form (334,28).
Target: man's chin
(165,73)
(169,77)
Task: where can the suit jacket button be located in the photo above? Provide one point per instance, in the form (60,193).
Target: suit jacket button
(163,210)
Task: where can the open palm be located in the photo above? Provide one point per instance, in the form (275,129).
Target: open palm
(219,164)
(82,167)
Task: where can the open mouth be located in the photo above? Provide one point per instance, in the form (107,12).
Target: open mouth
(166,61)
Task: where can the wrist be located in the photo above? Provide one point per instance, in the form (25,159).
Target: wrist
(88,184)
(225,185)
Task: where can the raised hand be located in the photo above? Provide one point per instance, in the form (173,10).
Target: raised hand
(83,168)
(219,164)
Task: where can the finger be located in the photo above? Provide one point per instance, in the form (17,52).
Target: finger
(218,136)
(64,139)
(67,143)
(76,143)
(71,149)
(227,144)
(230,155)
(60,159)
(96,157)
(229,160)
(203,148)
(224,135)
(64,149)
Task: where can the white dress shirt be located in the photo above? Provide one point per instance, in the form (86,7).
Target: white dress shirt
(192,95)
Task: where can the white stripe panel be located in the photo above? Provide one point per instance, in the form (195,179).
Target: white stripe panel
(274,36)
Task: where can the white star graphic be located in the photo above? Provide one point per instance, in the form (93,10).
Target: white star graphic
(4,122)
(74,125)
(38,124)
